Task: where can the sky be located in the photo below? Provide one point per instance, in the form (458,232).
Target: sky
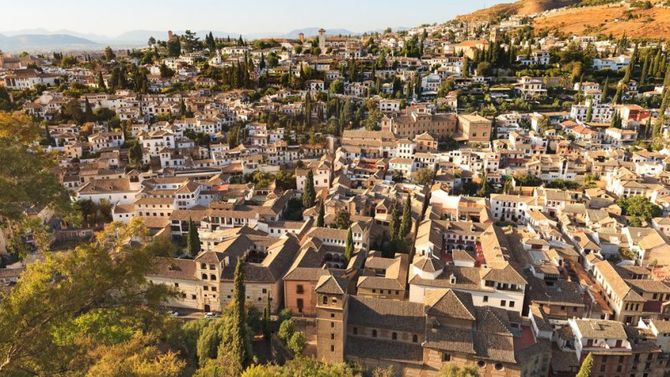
(111,18)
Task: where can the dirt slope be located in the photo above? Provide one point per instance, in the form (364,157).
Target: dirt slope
(616,19)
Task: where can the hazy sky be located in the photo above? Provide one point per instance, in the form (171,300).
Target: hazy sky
(244,16)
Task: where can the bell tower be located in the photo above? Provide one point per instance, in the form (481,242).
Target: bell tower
(331,318)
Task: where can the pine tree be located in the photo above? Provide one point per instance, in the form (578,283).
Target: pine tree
(406,222)
(238,344)
(320,221)
(587,365)
(349,246)
(309,194)
(192,239)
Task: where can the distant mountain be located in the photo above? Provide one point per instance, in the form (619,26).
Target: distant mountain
(42,39)
(41,42)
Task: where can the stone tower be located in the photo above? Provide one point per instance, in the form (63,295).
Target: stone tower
(322,40)
(331,318)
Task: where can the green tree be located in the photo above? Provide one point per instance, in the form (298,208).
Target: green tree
(320,221)
(266,318)
(238,345)
(192,239)
(174,47)
(638,208)
(406,222)
(349,246)
(140,356)
(26,172)
(109,53)
(424,176)
(302,366)
(336,87)
(297,343)
(71,304)
(309,193)
(343,219)
(587,365)
(101,81)
(454,371)
(394,222)
(135,153)
(286,330)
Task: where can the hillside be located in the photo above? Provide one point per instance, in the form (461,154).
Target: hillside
(520,7)
(34,42)
(613,19)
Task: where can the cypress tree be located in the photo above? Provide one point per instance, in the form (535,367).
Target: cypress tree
(587,365)
(309,194)
(182,108)
(666,79)
(101,82)
(605,89)
(394,223)
(617,95)
(406,222)
(320,221)
(349,246)
(589,112)
(645,67)
(238,345)
(192,239)
(266,318)
(88,111)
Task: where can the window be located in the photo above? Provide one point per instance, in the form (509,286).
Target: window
(332,336)
(355,330)
(446,356)
(481,363)
(325,300)
(206,288)
(332,315)
(502,303)
(176,285)
(394,335)
(299,289)
(213,289)
(415,338)
(374,333)
(300,304)
(332,325)
(511,304)
(486,299)
(264,290)
(204,276)
(499,366)
(332,348)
